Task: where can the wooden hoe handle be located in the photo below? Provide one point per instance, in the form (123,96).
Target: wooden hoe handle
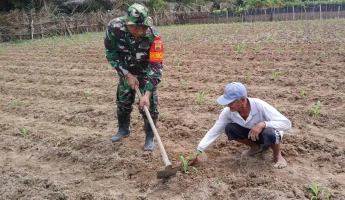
(160,144)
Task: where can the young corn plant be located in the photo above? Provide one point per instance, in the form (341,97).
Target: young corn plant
(249,76)
(315,190)
(200,98)
(327,194)
(303,93)
(276,75)
(24,132)
(185,162)
(316,109)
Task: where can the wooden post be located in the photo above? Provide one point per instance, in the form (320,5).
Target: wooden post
(320,12)
(293,13)
(338,11)
(32,29)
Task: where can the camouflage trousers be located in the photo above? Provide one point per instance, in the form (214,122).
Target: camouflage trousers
(125,98)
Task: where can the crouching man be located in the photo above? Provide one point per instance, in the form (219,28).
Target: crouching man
(250,121)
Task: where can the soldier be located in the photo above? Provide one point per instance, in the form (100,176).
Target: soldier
(127,42)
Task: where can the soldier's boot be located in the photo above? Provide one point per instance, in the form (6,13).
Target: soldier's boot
(149,144)
(123,123)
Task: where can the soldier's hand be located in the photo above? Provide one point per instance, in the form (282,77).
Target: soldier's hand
(145,100)
(131,80)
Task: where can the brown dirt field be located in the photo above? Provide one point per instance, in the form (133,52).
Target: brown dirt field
(62,91)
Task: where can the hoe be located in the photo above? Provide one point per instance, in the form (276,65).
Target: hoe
(169,170)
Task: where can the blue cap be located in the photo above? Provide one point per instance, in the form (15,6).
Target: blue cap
(232,91)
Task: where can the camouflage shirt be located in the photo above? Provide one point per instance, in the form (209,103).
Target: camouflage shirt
(128,54)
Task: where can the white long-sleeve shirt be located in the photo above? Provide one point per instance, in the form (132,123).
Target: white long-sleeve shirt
(260,111)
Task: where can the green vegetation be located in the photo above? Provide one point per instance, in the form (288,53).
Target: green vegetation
(315,189)
(302,92)
(276,75)
(315,109)
(15,103)
(24,132)
(185,162)
(200,98)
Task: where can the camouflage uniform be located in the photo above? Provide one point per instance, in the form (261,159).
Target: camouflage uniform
(128,54)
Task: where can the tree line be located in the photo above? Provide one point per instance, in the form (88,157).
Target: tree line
(70,7)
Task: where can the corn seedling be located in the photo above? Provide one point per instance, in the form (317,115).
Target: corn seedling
(219,181)
(302,92)
(241,47)
(249,76)
(339,50)
(88,93)
(15,103)
(177,60)
(315,190)
(316,109)
(183,83)
(13,67)
(276,75)
(200,97)
(327,194)
(24,132)
(185,166)
(2,165)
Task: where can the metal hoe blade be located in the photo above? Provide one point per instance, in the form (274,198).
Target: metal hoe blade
(167,172)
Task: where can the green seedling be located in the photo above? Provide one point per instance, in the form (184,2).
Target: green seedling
(315,190)
(249,76)
(257,48)
(316,109)
(177,60)
(339,50)
(24,132)
(276,75)
(183,83)
(316,62)
(200,97)
(302,92)
(13,67)
(2,165)
(241,47)
(219,181)
(185,162)
(15,103)
(327,194)
(88,93)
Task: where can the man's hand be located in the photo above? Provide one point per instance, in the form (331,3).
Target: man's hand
(145,100)
(131,80)
(256,130)
(195,158)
